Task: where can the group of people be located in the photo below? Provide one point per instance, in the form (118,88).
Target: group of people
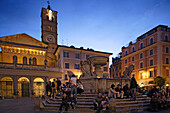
(159,98)
(101,102)
(127,91)
(68,91)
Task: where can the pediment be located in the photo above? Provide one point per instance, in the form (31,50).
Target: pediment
(23,39)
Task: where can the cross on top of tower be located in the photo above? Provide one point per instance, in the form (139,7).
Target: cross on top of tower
(48,5)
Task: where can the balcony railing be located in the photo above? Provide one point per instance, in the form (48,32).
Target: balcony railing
(21,66)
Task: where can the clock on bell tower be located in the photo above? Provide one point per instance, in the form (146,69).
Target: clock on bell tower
(49,26)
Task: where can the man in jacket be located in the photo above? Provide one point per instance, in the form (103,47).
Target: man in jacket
(133,86)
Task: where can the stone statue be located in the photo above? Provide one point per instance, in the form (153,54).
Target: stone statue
(86,68)
(128,71)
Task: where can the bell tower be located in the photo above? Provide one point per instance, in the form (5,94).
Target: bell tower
(49,25)
(49,33)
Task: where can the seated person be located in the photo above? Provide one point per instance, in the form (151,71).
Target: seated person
(72,101)
(97,102)
(67,89)
(119,89)
(154,103)
(64,102)
(126,90)
(105,102)
(112,92)
(80,88)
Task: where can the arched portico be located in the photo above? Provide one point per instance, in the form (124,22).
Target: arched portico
(23,87)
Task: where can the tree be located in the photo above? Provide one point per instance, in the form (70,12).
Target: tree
(159,81)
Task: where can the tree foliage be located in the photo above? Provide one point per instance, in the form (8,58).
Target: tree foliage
(159,81)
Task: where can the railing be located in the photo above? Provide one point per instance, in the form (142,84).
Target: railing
(21,66)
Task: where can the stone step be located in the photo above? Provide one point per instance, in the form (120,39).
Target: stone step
(78,100)
(130,99)
(132,102)
(86,95)
(69,110)
(129,110)
(78,103)
(131,105)
(78,97)
(77,106)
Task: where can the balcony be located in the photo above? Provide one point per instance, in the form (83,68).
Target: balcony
(22,66)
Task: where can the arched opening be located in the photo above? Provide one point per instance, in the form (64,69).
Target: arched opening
(14,59)
(23,87)
(38,86)
(34,61)
(25,60)
(6,87)
(52,79)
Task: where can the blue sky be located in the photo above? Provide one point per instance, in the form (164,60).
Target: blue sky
(104,25)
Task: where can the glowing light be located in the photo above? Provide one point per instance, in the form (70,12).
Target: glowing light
(167,85)
(50,15)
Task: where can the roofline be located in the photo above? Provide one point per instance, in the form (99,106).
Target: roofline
(81,49)
(5,42)
(25,34)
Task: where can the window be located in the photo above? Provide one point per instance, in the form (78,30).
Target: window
(126,52)
(151,62)
(105,69)
(151,52)
(151,73)
(167,50)
(66,65)
(141,55)
(77,55)
(77,66)
(24,60)
(34,61)
(87,56)
(151,41)
(166,38)
(141,65)
(125,61)
(133,58)
(133,49)
(66,54)
(141,45)
(167,60)
(14,59)
(50,28)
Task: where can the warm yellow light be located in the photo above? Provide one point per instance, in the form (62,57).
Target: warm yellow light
(50,15)
(167,85)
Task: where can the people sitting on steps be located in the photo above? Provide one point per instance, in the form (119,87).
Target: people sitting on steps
(72,101)
(112,92)
(120,90)
(80,88)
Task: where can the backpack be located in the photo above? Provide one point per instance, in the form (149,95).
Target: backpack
(53,85)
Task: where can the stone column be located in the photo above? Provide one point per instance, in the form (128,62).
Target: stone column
(15,84)
(31,86)
(45,82)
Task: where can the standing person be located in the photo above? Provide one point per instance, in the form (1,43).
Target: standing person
(48,89)
(54,87)
(58,86)
(73,85)
(133,86)
(97,102)
(80,88)
(64,102)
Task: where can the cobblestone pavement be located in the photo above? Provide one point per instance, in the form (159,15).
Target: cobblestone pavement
(26,105)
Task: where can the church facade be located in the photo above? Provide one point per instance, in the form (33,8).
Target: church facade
(26,64)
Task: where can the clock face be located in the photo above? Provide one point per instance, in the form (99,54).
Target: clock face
(50,38)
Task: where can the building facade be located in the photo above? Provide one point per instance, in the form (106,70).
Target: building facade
(115,67)
(26,64)
(150,55)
